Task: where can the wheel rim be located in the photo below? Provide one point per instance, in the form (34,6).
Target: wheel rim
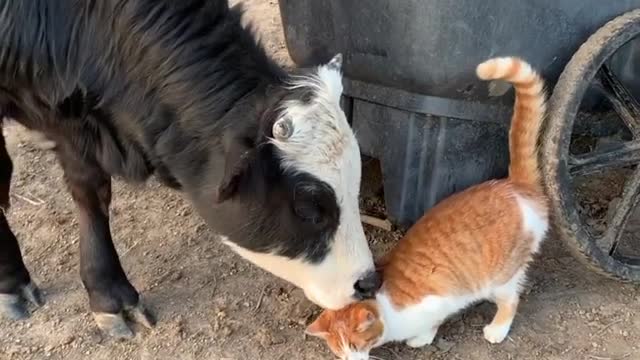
(560,166)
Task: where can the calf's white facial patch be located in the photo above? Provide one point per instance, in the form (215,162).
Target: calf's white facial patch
(313,136)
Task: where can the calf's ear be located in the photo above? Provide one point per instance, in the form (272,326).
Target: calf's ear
(238,153)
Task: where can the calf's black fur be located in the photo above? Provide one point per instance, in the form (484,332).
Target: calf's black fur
(131,88)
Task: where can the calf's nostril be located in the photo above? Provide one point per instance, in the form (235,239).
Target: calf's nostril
(367,286)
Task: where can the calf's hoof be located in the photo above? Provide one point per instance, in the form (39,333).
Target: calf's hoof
(115,325)
(15,306)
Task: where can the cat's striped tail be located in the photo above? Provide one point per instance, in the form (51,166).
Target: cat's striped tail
(528,115)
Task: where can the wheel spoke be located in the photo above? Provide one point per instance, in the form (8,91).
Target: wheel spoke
(627,260)
(624,104)
(624,154)
(629,199)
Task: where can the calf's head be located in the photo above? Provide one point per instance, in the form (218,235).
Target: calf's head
(289,195)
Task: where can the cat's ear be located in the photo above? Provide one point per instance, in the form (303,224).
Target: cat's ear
(366,319)
(320,326)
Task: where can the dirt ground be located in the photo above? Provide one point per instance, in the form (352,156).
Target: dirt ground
(210,304)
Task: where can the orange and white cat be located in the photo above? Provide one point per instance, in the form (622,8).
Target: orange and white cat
(474,245)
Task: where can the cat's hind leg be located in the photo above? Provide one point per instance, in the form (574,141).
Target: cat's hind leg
(506,297)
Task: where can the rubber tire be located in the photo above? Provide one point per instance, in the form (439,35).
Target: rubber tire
(563,107)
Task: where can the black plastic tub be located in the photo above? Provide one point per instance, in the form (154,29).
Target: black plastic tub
(410,87)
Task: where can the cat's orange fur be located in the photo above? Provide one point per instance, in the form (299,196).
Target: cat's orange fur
(472,246)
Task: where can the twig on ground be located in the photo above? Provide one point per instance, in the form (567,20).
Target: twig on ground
(262,294)
(35,202)
(384,224)
(124,253)
(601,331)
(594,357)
(284,353)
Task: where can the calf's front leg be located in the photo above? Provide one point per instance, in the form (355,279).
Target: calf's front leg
(111,295)
(16,286)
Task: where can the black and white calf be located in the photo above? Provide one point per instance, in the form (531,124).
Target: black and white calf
(180,89)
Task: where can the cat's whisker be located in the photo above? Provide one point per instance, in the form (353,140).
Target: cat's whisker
(344,344)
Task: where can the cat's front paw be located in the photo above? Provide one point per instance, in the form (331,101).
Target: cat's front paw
(495,334)
(420,341)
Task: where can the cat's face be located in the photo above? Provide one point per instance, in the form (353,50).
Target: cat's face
(350,332)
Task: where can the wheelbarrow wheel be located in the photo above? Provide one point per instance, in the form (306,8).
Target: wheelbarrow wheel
(559,165)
